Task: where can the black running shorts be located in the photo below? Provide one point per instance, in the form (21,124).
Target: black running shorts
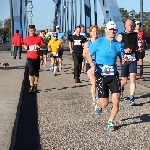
(103,85)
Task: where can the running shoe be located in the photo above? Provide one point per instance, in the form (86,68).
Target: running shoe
(31,89)
(35,88)
(51,69)
(141,78)
(110,126)
(55,74)
(132,99)
(97,110)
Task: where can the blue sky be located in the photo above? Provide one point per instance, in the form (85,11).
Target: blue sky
(43,10)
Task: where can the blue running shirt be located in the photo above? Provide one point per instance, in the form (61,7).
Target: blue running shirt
(106,53)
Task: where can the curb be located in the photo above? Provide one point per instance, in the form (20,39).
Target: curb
(14,131)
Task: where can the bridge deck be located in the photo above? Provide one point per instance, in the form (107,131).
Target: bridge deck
(60,116)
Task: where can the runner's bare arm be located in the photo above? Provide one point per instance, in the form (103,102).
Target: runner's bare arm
(70,47)
(89,59)
(85,49)
(49,46)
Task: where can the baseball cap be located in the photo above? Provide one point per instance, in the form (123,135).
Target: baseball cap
(137,22)
(57,27)
(111,25)
(55,34)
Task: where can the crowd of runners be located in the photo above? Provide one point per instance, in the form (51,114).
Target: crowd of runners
(97,55)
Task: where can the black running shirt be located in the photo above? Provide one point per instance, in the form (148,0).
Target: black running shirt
(77,43)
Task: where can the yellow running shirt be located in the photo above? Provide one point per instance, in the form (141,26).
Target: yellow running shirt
(55,46)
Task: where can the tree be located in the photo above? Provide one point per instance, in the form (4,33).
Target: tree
(124,14)
(7,26)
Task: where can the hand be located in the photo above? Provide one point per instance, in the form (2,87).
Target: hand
(37,46)
(25,47)
(140,49)
(127,50)
(124,59)
(71,50)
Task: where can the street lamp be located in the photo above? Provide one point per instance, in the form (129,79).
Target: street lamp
(72,13)
(141,13)
(31,6)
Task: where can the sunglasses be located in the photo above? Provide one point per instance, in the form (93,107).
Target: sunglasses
(55,36)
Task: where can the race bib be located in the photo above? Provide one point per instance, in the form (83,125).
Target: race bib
(107,70)
(32,48)
(131,57)
(77,42)
(55,53)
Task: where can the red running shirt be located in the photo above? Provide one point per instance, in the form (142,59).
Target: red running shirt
(141,39)
(31,42)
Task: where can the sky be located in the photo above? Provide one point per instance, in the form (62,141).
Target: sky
(43,11)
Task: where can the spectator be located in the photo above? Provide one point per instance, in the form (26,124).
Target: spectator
(17,43)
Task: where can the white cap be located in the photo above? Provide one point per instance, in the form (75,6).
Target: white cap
(111,25)
(57,26)
(137,22)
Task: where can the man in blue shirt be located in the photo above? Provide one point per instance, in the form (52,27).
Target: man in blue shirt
(107,49)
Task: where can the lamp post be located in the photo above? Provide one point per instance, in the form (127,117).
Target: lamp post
(141,13)
(72,14)
(31,7)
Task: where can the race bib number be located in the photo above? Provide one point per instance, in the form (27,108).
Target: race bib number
(131,57)
(32,48)
(107,70)
(55,53)
(77,42)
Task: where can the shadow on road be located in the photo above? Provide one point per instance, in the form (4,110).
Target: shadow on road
(27,136)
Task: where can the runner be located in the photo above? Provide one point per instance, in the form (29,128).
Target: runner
(62,37)
(32,44)
(129,41)
(47,35)
(88,33)
(76,48)
(43,50)
(106,50)
(141,50)
(54,46)
(93,31)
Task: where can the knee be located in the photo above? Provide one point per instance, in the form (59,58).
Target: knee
(124,80)
(103,102)
(115,100)
(104,105)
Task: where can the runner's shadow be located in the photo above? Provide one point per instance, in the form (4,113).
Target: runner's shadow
(143,118)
